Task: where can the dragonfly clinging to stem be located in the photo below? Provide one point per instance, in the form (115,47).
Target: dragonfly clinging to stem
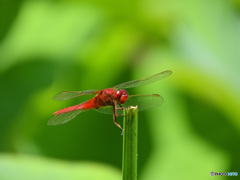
(109,98)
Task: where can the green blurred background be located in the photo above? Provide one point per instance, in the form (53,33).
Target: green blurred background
(51,46)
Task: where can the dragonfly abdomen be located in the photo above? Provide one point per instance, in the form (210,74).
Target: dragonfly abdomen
(68,109)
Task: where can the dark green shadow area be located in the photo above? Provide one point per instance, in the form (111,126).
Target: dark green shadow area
(214,127)
(145,144)
(17,84)
(8,12)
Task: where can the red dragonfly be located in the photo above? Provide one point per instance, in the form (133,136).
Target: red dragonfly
(108,100)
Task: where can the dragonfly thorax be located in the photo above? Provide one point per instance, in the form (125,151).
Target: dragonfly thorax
(111,96)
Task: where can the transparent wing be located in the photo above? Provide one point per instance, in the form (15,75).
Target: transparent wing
(105,110)
(63,118)
(72,94)
(144,81)
(144,101)
(108,110)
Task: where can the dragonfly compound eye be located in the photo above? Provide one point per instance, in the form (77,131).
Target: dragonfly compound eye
(123,98)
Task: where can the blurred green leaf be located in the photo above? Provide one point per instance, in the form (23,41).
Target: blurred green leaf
(52,46)
(15,167)
(9,10)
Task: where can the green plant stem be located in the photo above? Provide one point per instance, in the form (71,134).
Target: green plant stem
(130,141)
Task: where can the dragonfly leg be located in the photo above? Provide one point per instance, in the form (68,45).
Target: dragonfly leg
(115,115)
(119,115)
(122,108)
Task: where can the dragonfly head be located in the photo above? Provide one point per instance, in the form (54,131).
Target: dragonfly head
(121,96)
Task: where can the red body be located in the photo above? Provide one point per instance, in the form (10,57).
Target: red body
(105,97)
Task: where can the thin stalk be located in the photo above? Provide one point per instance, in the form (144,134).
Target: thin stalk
(130,142)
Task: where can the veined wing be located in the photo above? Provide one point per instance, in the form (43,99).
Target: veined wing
(108,110)
(144,101)
(72,94)
(105,110)
(64,117)
(144,81)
